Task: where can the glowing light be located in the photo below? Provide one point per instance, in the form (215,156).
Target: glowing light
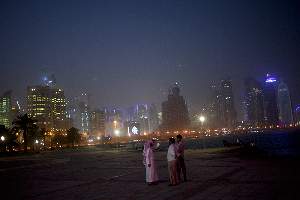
(2,138)
(271,80)
(135,130)
(117,132)
(36,141)
(202,119)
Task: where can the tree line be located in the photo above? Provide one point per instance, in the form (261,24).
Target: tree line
(26,135)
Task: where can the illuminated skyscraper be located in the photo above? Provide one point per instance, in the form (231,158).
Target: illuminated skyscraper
(174,111)
(227,103)
(142,117)
(221,111)
(82,118)
(114,122)
(153,118)
(254,102)
(284,104)
(270,101)
(48,106)
(6,109)
(214,108)
(98,123)
(58,103)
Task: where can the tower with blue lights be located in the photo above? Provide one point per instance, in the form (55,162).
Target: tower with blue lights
(270,101)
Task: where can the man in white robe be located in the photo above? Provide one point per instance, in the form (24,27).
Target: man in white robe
(150,164)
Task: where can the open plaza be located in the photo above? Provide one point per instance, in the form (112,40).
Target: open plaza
(93,173)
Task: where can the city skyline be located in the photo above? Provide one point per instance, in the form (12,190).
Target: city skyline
(104,47)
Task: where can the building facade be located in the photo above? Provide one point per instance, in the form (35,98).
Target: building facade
(284,105)
(221,110)
(174,111)
(47,105)
(98,123)
(254,104)
(6,109)
(270,101)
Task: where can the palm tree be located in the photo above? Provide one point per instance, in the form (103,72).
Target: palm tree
(73,136)
(24,123)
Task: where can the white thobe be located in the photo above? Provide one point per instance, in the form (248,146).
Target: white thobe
(151,172)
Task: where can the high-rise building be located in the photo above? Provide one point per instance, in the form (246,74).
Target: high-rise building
(98,123)
(254,104)
(174,111)
(6,109)
(80,113)
(153,118)
(270,101)
(47,105)
(114,122)
(214,108)
(58,102)
(284,105)
(142,117)
(227,99)
(221,111)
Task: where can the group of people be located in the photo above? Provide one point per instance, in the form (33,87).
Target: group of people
(175,158)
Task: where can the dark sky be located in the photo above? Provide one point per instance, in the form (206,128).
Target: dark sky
(126,52)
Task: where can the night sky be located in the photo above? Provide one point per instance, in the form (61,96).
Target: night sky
(127,52)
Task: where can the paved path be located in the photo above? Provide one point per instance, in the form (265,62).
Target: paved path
(120,175)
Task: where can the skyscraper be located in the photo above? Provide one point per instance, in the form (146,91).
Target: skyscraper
(153,118)
(270,101)
(284,104)
(98,123)
(174,111)
(6,109)
(214,107)
(142,117)
(80,110)
(254,102)
(48,106)
(227,103)
(221,111)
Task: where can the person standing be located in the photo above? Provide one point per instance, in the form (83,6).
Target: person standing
(180,158)
(172,163)
(149,162)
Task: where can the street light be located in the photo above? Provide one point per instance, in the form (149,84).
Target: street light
(2,138)
(202,119)
(117,133)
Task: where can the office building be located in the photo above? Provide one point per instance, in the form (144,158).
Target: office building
(174,111)
(284,105)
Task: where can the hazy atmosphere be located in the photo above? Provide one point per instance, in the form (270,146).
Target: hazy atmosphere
(127,52)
